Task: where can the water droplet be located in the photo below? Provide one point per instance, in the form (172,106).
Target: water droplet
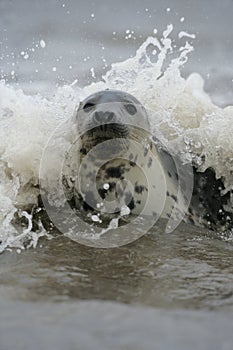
(106,186)
(42,44)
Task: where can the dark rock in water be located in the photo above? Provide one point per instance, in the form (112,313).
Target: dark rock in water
(207,203)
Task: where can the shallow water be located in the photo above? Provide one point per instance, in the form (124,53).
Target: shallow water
(166,291)
(186,269)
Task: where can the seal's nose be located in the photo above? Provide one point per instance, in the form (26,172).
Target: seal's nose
(103,117)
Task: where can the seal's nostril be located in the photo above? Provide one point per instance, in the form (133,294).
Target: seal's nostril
(103,117)
(97,117)
(110,116)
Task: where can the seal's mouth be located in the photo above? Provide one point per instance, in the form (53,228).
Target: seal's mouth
(106,132)
(110,138)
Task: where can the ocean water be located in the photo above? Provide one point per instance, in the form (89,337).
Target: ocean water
(165,291)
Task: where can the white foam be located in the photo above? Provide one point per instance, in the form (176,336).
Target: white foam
(185,34)
(25,126)
(125,210)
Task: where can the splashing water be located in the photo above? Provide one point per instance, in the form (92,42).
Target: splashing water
(180,112)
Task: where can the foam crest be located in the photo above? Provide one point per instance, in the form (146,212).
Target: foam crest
(25,126)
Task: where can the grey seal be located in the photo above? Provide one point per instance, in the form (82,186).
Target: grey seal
(116,165)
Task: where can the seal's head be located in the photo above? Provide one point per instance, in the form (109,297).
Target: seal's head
(110,114)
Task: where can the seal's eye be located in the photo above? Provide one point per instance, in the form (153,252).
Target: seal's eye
(131,109)
(87,106)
